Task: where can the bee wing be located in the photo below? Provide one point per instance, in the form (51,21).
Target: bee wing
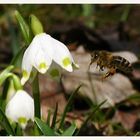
(131,57)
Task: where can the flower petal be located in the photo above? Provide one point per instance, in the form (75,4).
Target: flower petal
(43,52)
(26,66)
(45,42)
(62,55)
(42,62)
(38,54)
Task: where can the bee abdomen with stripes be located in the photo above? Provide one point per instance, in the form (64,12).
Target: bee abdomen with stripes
(121,64)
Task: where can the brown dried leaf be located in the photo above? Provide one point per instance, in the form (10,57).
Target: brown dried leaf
(114,89)
(49,103)
(127,119)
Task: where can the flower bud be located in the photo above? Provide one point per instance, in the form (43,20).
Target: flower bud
(36,25)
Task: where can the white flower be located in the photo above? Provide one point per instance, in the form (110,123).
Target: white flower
(20,108)
(42,51)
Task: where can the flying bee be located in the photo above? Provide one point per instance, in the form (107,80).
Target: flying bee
(105,59)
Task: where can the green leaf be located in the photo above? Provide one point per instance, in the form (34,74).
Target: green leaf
(90,116)
(48,117)
(87,9)
(126,13)
(54,117)
(5,74)
(18,130)
(70,131)
(16,82)
(68,106)
(5,123)
(134,97)
(6,87)
(16,61)
(24,27)
(13,34)
(45,129)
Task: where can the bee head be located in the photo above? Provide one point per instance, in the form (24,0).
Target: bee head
(94,56)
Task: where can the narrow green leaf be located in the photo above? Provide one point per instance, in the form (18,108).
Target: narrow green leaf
(13,34)
(70,131)
(134,97)
(24,27)
(45,129)
(5,123)
(18,130)
(68,107)
(5,88)
(90,116)
(16,61)
(87,9)
(36,131)
(126,13)
(54,117)
(5,73)
(48,117)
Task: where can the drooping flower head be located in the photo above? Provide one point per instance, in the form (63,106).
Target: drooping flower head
(42,51)
(20,108)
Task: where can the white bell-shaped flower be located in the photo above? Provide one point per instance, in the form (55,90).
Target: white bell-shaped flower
(42,51)
(20,108)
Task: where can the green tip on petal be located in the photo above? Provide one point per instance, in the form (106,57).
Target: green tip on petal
(22,120)
(42,67)
(25,77)
(76,66)
(25,73)
(23,80)
(54,73)
(66,61)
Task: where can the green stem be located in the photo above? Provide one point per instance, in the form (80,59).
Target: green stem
(125,13)
(36,96)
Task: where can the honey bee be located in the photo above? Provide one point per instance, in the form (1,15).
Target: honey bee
(105,59)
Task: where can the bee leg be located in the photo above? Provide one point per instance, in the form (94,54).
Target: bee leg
(106,75)
(97,65)
(102,68)
(111,72)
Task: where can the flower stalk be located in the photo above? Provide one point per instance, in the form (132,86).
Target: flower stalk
(36,96)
